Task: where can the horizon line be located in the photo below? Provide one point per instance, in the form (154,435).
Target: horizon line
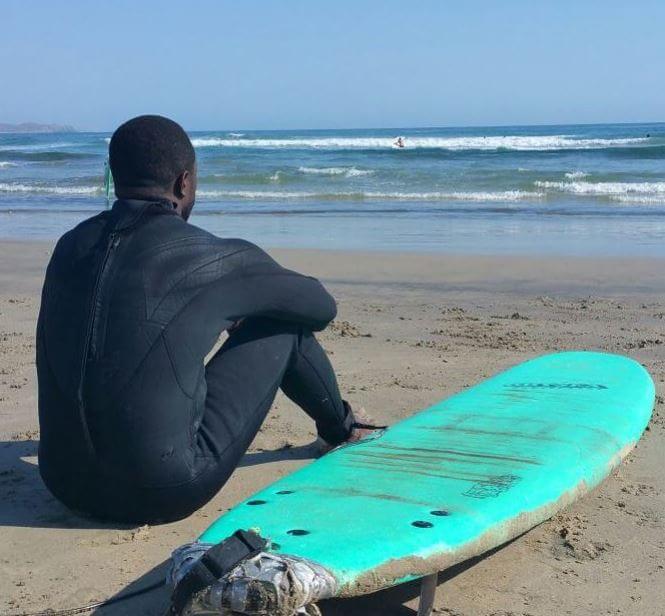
(348,128)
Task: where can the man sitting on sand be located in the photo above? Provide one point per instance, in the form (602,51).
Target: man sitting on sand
(134,426)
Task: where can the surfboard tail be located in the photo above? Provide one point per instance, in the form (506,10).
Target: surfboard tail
(262,584)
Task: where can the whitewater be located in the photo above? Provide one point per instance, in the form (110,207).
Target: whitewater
(515,142)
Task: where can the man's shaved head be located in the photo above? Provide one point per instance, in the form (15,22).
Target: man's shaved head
(152,157)
(150,151)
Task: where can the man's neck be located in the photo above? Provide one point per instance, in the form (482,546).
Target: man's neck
(144,194)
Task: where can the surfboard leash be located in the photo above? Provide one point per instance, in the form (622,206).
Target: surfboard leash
(98,604)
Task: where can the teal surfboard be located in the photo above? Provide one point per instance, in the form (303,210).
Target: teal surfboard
(457,479)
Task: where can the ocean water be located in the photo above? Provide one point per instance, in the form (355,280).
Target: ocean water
(579,190)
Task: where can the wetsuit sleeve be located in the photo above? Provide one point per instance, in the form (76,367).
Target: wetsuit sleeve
(262,287)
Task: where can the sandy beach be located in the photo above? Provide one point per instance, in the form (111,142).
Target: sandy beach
(412,329)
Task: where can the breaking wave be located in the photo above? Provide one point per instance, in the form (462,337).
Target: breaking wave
(45,155)
(349,172)
(515,142)
(503,196)
(36,147)
(640,199)
(605,188)
(51,190)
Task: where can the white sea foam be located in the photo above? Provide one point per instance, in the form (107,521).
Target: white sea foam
(605,188)
(353,172)
(206,142)
(37,147)
(514,142)
(5,164)
(349,172)
(323,170)
(237,135)
(254,194)
(502,196)
(640,199)
(52,190)
(577,175)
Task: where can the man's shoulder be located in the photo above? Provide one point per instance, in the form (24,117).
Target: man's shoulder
(235,252)
(236,244)
(84,234)
(97,221)
(223,245)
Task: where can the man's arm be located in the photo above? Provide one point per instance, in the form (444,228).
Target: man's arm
(262,287)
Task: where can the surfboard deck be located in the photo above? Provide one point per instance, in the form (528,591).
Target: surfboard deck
(457,479)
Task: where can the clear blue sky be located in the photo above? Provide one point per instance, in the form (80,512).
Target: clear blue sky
(320,63)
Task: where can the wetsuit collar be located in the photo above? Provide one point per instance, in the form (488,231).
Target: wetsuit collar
(127,212)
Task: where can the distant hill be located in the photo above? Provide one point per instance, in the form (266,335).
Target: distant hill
(34,127)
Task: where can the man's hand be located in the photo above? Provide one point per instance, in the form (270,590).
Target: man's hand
(357,434)
(361,417)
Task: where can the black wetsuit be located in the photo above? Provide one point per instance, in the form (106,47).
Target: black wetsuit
(133,426)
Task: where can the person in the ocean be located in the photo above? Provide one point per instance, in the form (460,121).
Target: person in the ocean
(134,426)
(399,142)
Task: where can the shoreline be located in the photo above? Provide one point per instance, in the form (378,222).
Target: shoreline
(437,272)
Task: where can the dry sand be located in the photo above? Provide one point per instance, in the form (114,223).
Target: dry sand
(412,329)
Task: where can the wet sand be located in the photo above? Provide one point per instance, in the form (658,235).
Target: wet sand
(412,329)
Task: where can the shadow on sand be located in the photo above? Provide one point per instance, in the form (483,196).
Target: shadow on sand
(24,499)
(301,452)
(388,602)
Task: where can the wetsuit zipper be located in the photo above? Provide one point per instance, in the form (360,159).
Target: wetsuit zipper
(93,334)
(113,242)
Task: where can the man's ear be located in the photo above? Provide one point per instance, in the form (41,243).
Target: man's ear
(182,184)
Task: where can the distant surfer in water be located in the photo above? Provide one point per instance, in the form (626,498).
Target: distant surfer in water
(134,427)
(399,142)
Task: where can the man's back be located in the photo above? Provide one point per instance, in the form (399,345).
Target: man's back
(133,301)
